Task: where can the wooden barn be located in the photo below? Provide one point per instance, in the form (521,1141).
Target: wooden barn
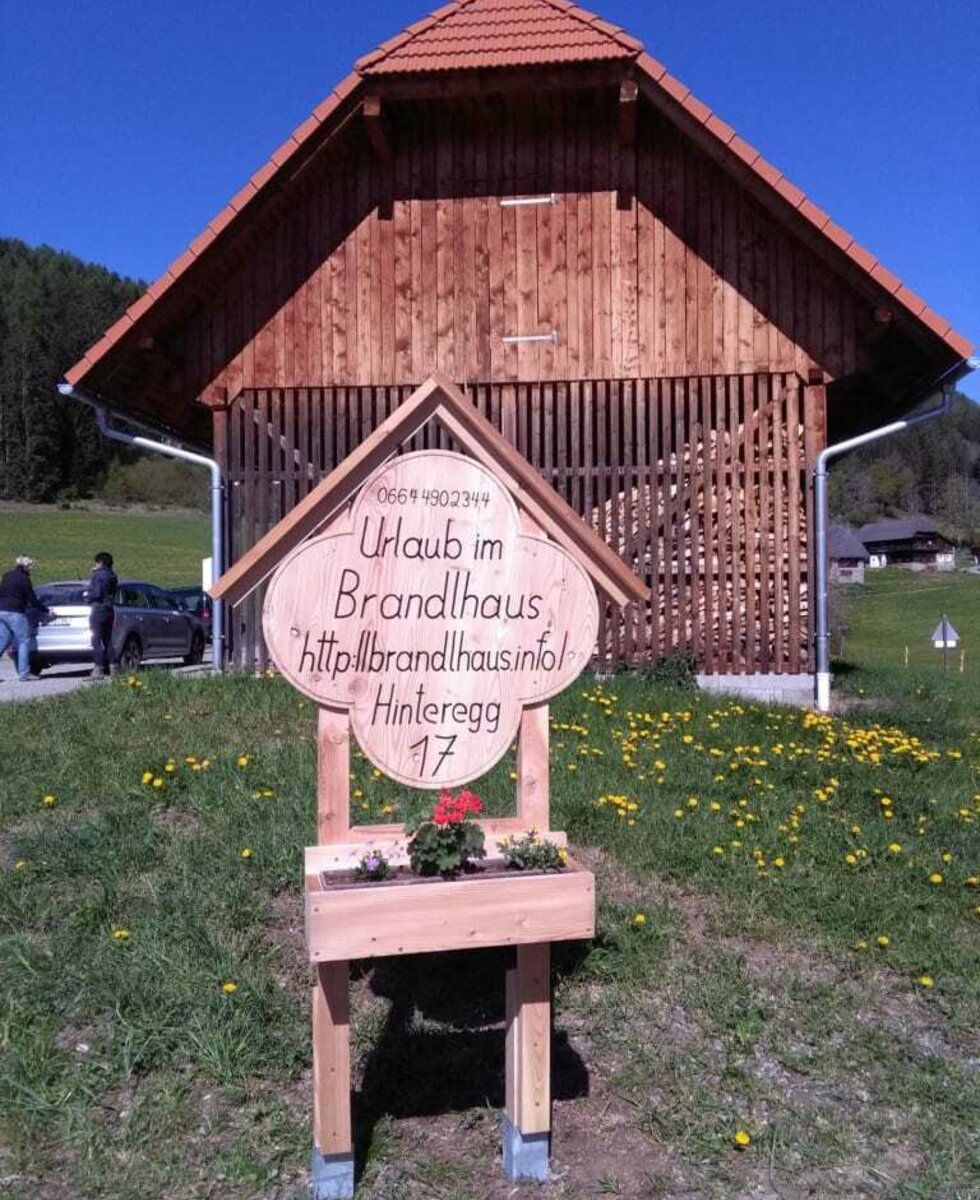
(515,194)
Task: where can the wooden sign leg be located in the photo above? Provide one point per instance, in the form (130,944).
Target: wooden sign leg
(333,1143)
(527,1115)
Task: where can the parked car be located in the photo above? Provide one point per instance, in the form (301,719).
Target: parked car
(197,601)
(150,623)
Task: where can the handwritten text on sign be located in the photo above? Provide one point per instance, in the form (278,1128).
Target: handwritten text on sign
(432,617)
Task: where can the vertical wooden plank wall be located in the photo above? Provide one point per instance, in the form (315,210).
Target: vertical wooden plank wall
(651,262)
(697,483)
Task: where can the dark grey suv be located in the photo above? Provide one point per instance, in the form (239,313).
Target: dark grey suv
(150,623)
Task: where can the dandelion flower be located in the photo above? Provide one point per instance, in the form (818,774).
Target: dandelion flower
(861,944)
(935,878)
(146,777)
(883,941)
(894,848)
(229,987)
(20,864)
(718,850)
(120,935)
(242,760)
(49,801)
(247,852)
(926,981)
(639,918)
(742,1138)
(158,782)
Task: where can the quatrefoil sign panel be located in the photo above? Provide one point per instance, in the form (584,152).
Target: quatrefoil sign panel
(432,618)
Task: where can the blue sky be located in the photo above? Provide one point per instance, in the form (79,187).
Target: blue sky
(127,125)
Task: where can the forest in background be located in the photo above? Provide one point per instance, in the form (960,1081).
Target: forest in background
(53,307)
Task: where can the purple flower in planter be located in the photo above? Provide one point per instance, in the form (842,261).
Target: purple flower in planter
(373,867)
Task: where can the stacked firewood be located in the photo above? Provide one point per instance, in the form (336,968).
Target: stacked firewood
(686,535)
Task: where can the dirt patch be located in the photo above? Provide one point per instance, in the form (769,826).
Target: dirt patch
(285,931)
(176,820)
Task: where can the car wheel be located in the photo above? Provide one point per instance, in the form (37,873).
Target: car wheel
(196,652)
(131,654)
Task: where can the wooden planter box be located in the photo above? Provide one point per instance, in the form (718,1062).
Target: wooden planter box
(348,919)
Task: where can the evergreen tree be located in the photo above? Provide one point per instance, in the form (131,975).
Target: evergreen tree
(52,308)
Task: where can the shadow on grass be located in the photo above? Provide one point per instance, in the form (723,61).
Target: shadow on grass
(442,1047)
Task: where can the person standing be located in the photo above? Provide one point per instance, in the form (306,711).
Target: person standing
(101,595)
(17,599)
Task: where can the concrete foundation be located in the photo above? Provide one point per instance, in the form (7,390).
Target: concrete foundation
(526,1155)
(796,690)
(333,1176)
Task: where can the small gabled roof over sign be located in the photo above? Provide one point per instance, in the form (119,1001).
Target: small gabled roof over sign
(440,400)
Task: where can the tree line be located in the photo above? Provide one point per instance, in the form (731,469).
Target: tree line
(932,468)
(53,307)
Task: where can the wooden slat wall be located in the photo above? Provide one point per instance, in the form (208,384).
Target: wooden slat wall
(652,262)
(697,483)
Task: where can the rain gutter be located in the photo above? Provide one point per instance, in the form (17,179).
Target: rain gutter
(102,412)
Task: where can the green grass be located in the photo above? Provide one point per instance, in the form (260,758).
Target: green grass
(753,994)
(895,609)
(163,547)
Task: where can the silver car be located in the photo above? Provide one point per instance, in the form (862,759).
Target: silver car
(150,623)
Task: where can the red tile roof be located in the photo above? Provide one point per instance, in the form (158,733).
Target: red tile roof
(477,34)
(462,23)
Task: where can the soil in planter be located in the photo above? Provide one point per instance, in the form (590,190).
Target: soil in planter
(404,876)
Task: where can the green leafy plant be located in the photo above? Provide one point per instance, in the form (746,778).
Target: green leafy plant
(373,867)
(531,852)
(447,840)
(674,671)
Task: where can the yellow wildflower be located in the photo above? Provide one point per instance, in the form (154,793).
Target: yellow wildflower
(229,987)
(742,1138)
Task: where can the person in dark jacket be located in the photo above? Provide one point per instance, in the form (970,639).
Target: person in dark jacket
(101,595)
(17,599)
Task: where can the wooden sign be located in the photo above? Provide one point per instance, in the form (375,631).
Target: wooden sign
(432,617)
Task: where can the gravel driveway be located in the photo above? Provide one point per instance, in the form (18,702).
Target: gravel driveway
(70,677)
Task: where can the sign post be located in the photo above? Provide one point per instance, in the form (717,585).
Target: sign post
(945,638)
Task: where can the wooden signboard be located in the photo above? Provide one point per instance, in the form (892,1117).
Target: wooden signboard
(433,603)
(432,618)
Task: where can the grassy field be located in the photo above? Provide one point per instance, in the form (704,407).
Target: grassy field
(787,945)
(895,610)
(162,547)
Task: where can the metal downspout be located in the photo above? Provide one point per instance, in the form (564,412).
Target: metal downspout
(217,495)
(946,382)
